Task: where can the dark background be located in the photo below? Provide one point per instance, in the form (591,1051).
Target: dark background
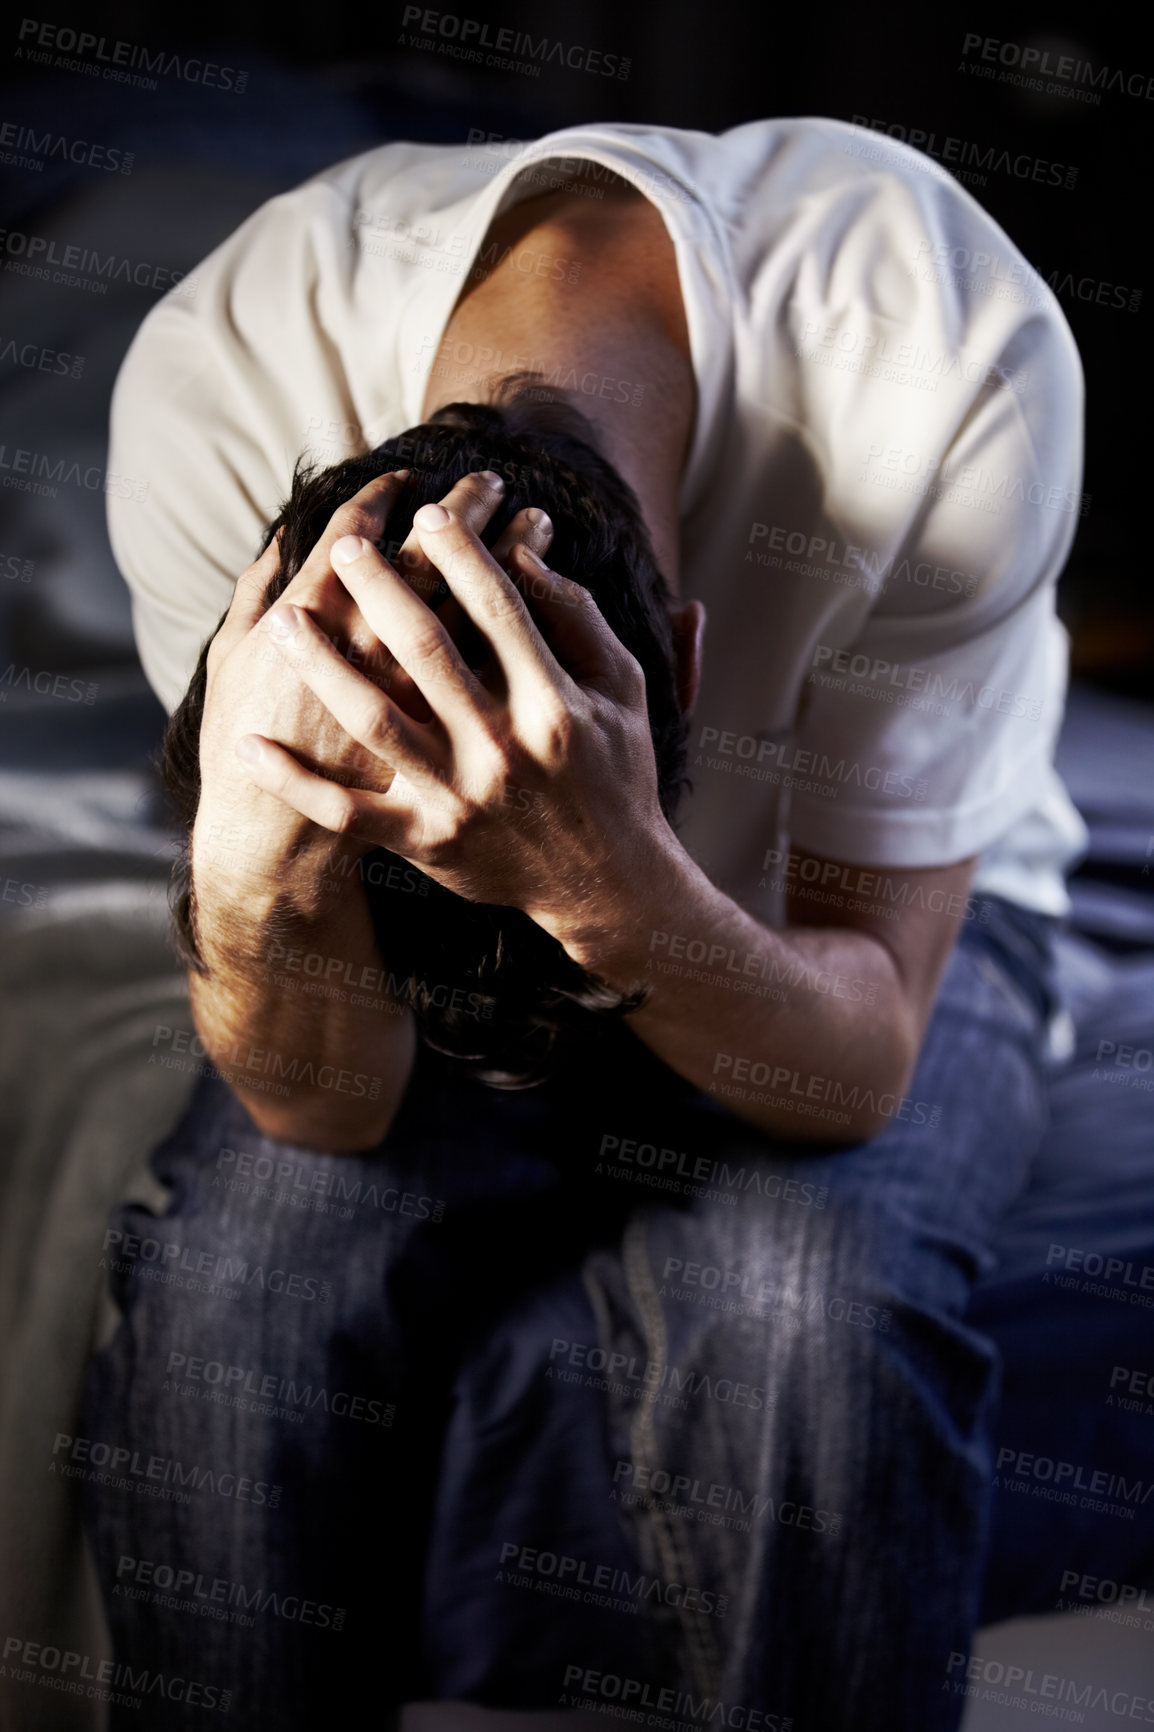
(325,81)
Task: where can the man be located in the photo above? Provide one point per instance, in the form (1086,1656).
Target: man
(850,418)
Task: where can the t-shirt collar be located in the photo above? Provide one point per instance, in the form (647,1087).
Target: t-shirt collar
(702,261)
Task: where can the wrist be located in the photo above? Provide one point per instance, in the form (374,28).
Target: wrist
(241,863)
(270,947)
(611,934)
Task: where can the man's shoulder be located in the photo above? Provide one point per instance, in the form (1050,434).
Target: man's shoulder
(862,258)
(828,178)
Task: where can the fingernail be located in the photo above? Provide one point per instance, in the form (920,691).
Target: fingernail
(248,748)
(281,624)
(538,518)
(491,476)
(348,548)
(431,517)
(535,557)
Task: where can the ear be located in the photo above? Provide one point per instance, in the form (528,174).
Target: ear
(688,621)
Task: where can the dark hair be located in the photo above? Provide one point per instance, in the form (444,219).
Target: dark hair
(529,1004)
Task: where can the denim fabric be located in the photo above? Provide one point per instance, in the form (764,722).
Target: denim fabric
(842,1504)
(571,1396)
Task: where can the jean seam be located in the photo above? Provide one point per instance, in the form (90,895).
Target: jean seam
(1033,1023)
(670,1532)
(999,976)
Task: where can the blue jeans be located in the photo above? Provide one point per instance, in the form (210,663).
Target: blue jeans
(583,1396)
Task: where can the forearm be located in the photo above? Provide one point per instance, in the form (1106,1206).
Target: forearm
(803,1032)
(294,1008)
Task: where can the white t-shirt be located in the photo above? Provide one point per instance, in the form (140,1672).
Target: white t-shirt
(882,488)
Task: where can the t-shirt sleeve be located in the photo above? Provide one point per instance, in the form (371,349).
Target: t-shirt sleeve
(299,336)
(185,537)
(214,403)
(928,729)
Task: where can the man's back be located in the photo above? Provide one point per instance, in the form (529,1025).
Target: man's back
(881,487)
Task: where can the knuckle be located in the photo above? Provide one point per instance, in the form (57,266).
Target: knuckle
(478,492)
(489,797)
(343,816)
(427,645)
(355,519)
(470,808)
(249,589)
(498,747)
(504,607)
(441,842)
(378,729)
(632,674)
(494,767)
(310,599)
(557,727)
(375,495)
(268,563)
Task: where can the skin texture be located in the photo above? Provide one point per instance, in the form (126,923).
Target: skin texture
(623,320)
(322,762)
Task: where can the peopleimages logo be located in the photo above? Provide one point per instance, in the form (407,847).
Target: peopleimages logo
(105,1680)
(254,1391)
(650,1704)
(465,38)
(1025,65)
(16,139)
(647,1163)
(55,43)
(38,472)
(878,673)
(601,1584)
(961,152)
(39,359)
(130,1249)
(85,268)
(1087,289)
(217,1597)
(126,1469)
(1047,1689)
(798,767)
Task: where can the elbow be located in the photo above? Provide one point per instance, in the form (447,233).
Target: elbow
(320,1124)
(853,1097)
(885,1099)
(865,1128)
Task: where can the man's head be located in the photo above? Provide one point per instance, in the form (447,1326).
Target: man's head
(488,985)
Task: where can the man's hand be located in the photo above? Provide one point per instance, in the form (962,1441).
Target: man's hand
(532,784)
(250,686)
(260,870)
